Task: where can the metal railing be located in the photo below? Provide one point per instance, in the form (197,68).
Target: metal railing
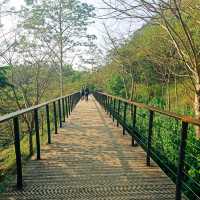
(62,107)
(168,138)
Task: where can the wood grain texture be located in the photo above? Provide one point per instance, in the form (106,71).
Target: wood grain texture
(91,159)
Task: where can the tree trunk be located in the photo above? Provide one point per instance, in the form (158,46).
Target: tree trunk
(61,70)
(197,108)
(168,95)
(132,87)
(176,91)
(125,87)
(61,49)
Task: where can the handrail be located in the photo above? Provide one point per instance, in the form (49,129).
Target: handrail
(183,118)
(9,116)
(65,106)
(149,138)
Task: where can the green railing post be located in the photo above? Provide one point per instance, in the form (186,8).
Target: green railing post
(69,105)
(17,152)
(133,115)
(111,101)
(60,113)
(118,113)
(180,168)
(55,117)
(124,120)
(37,132)
(114,110)
(108,105)
(66,104)
(151,113)
(63,109)
(48,124)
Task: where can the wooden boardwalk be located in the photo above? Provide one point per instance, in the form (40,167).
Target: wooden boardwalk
(90,159)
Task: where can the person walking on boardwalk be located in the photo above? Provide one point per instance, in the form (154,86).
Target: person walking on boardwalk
(82,93)
(86,93)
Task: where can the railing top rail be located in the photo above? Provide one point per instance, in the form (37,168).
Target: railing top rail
(183,118)
(26,110)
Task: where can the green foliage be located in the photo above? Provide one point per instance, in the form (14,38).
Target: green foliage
(165,145)
(115,86)
(3,77)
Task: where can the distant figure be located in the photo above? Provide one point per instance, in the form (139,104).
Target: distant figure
(86,93)
(82,93)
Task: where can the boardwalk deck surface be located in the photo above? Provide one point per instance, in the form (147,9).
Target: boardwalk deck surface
(90,159)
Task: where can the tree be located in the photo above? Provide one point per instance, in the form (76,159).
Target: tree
(3,78)
(61,25)
(180,20)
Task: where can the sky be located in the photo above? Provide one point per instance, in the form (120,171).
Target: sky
(117,29)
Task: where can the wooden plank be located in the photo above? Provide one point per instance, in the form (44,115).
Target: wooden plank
(90,159)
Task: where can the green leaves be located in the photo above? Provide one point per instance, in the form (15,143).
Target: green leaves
(3,78)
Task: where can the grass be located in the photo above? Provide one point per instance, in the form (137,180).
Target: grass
(7,158)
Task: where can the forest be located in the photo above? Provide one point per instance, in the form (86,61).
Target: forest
(158,64)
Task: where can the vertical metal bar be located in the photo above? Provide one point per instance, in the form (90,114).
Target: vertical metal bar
(105,102)
(71,97)
(63,109)
(59,113)
(181,159)
(124,121)
(111,101)
(114,110)
(66,104)
(17,152)
(118,113)
(55,117)
(37,132)
(149,137)
(69,105)
(100,100)
(108,105)
(72,102)
(106,108)
(133,113)
(48,124)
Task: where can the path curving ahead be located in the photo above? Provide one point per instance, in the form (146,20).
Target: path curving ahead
(90,159)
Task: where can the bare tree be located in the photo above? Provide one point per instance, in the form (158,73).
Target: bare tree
(173,17)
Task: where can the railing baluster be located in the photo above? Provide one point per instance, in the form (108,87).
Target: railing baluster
(17,152)
(55,117)
(133,114)
(69,105)
(114,110)
(124,120)
(37,133)
(66,104)
(63,109)
(105,100)
(181,159)
(118,113)
(150,130)
(111,100)
(59,113)
(48,124)
(108,106)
